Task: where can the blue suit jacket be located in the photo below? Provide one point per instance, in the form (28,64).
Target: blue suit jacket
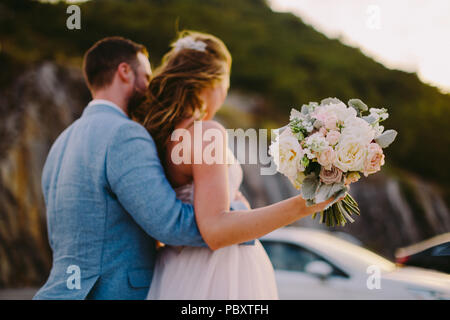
(107,199)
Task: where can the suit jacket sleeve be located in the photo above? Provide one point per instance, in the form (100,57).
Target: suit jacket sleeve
(137,178)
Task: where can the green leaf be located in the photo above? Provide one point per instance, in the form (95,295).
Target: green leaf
(336,188)
(309,186)
(358,105)
(386,138)
(300,136)
(304,161)
(370,119)
(340,193)
(330,101)
(323,192)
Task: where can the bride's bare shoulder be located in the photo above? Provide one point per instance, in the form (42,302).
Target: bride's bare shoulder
(208,135)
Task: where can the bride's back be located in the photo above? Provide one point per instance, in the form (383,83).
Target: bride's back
(179,174)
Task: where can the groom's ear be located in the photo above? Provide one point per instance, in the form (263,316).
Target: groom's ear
(125,72)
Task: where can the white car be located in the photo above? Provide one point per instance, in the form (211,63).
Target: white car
(314,264)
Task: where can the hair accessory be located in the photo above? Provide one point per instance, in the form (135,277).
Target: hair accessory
(189,43)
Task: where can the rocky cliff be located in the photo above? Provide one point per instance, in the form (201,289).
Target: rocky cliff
(38,105)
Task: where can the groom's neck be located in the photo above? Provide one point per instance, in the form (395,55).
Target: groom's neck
(110,94)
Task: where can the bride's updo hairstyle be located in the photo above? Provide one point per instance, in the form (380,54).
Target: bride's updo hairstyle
(195,62)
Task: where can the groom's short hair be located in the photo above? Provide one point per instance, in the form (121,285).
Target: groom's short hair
(102,59)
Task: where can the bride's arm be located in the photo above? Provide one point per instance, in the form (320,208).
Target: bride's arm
(220,227)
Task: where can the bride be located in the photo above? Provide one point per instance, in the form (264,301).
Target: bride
(191,84)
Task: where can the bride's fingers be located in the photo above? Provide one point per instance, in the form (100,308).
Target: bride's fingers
(322,205)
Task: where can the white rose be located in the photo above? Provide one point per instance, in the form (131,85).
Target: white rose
(327,118)
(317,142)
(287,153)
(341,111)
(357,128)
(350,154)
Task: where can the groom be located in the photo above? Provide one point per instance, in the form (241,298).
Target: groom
(106,194)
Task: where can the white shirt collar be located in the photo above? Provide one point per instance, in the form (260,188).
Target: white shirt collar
(107,103)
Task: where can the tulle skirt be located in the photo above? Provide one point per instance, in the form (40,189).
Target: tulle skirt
(237,272)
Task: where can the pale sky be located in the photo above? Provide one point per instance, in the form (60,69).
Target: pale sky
(410,35)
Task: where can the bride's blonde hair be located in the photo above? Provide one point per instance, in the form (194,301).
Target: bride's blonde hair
(195,62)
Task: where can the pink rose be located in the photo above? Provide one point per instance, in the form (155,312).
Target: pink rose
(374,159)
(331,121)
(326,158)
(323,131)
(330,176)
(333,137)
(328,119)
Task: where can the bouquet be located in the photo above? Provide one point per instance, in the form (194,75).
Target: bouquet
(327,146)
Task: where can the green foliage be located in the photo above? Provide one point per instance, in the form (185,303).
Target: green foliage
(274,54)
(386,138)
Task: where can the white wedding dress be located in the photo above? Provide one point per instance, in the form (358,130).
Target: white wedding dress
(235,272)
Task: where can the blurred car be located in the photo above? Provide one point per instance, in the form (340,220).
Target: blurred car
(314,264)
(433,254)
(348,237)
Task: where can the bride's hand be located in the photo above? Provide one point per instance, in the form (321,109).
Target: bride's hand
(318,207)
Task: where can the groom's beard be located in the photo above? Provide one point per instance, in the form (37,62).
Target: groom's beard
(137,98)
